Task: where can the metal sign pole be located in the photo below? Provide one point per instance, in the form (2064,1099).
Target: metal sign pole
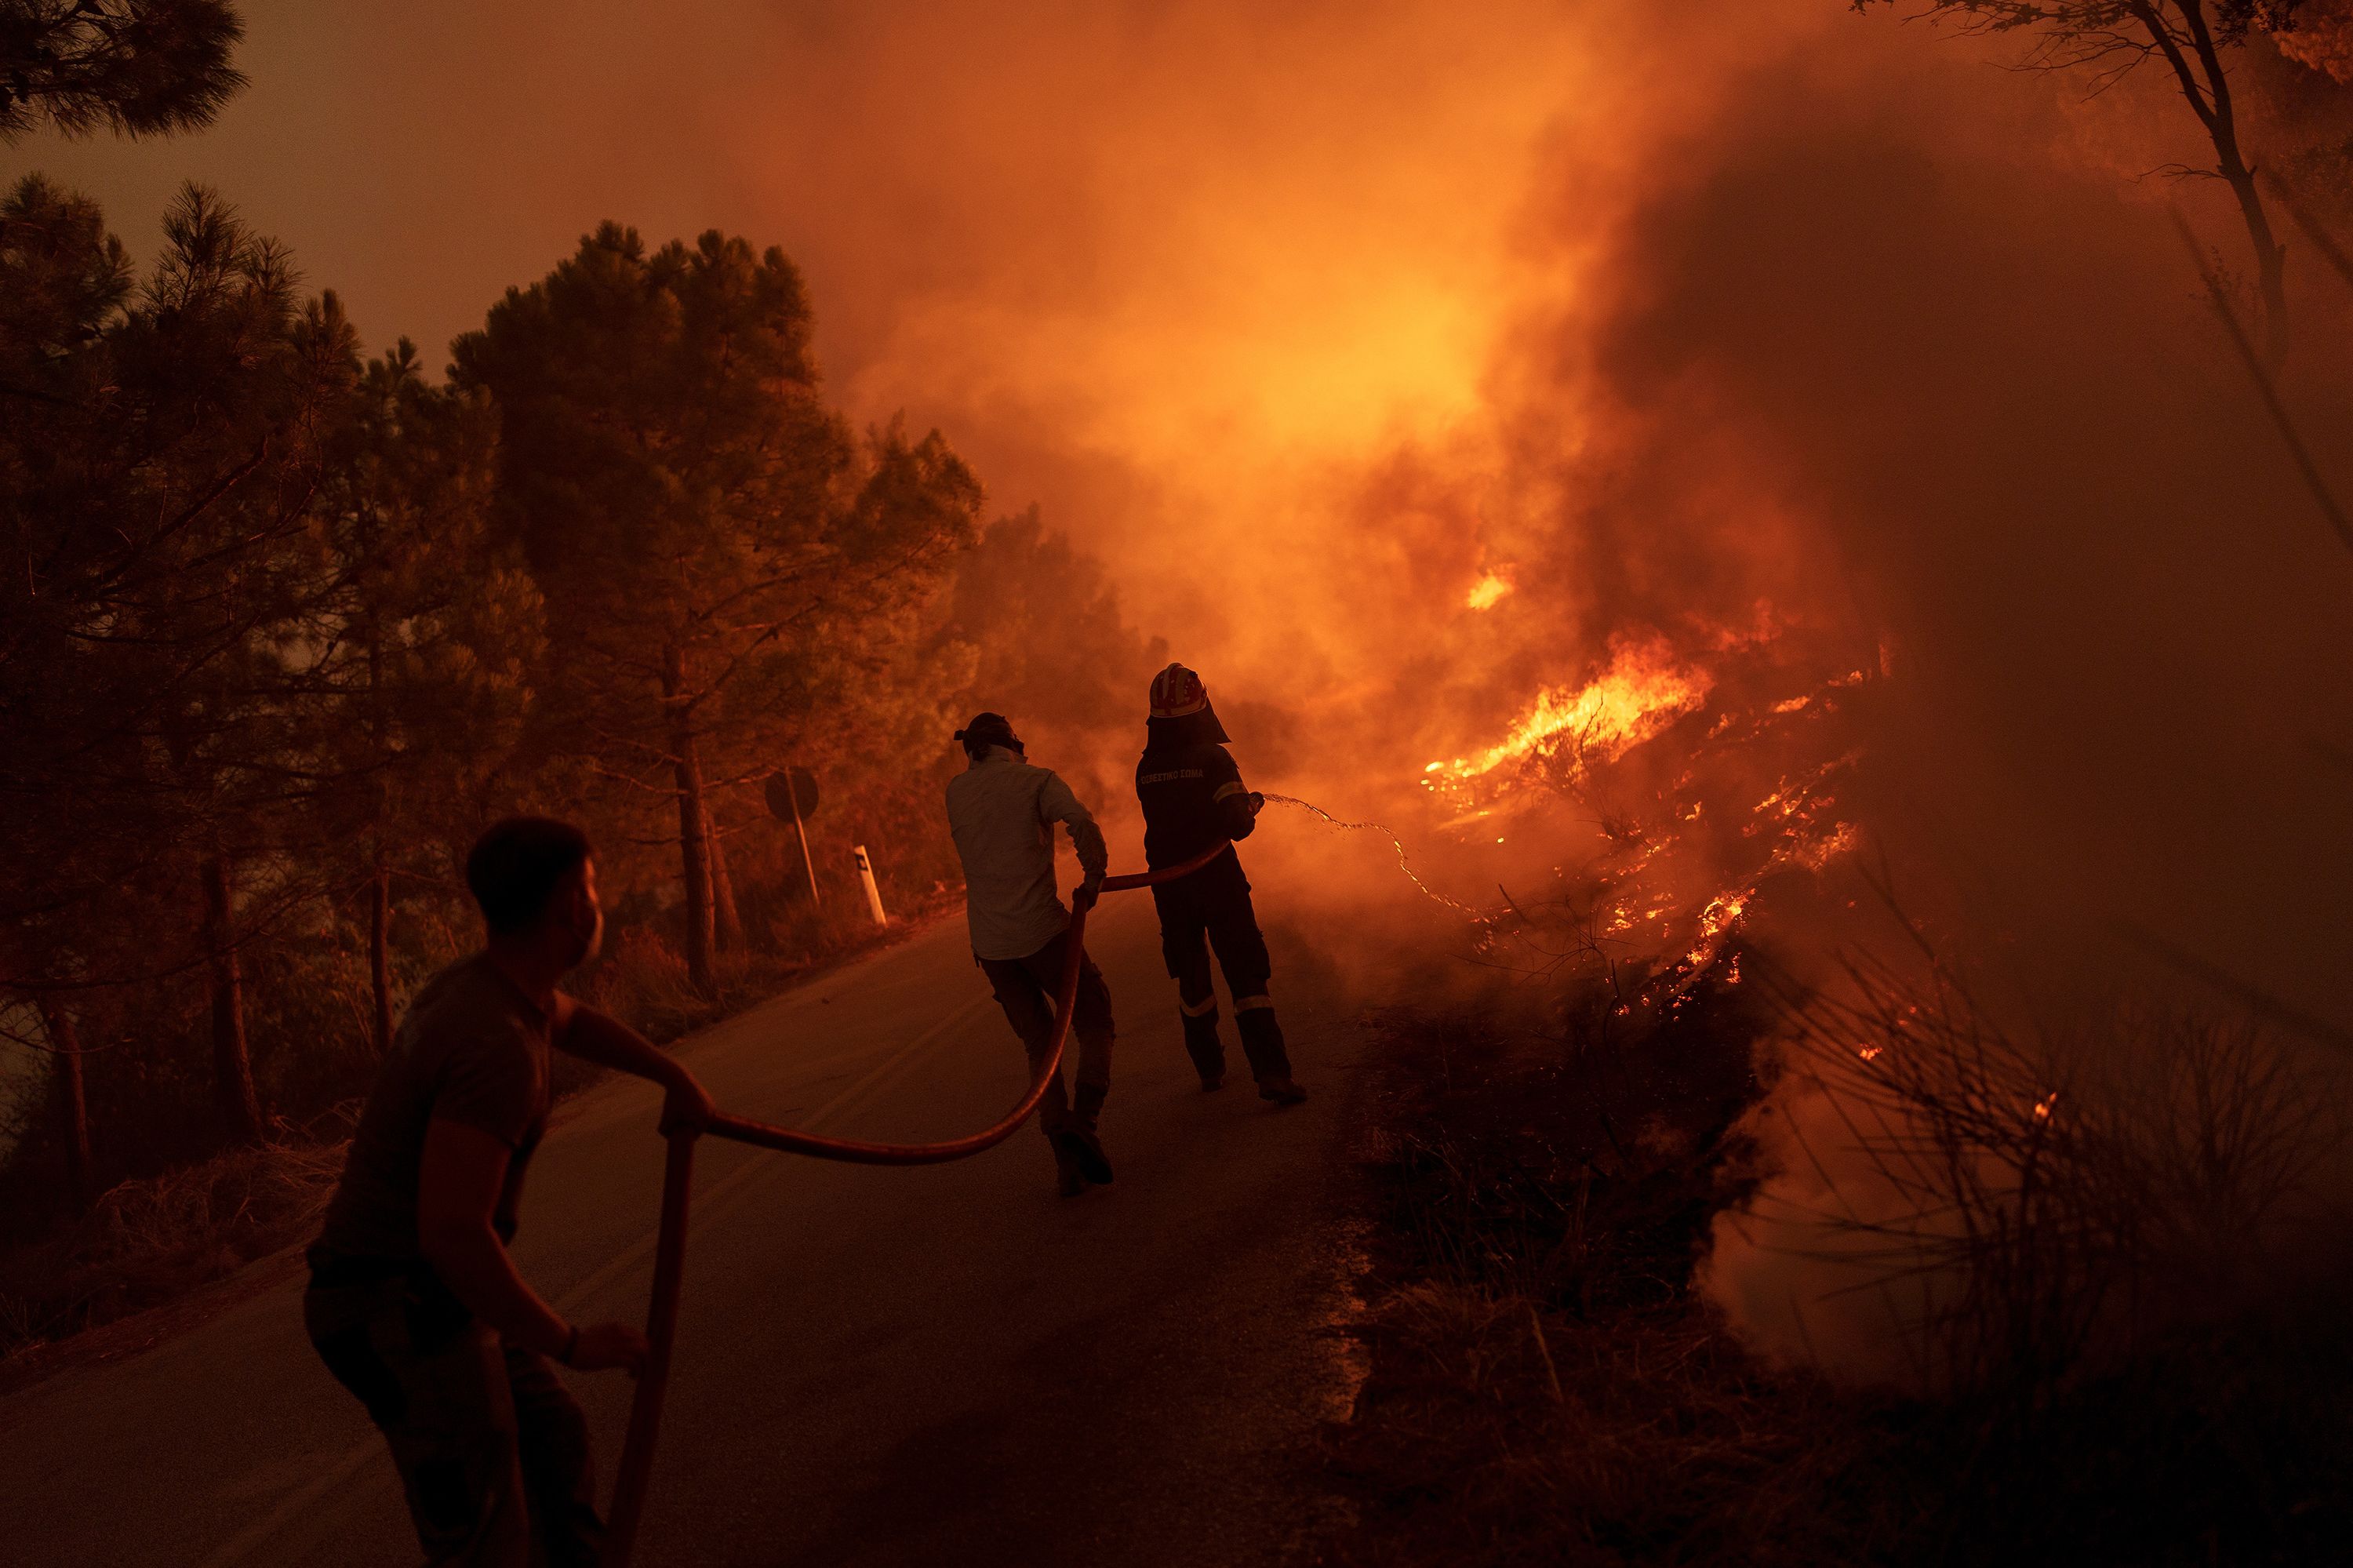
(801,832)
(784,792)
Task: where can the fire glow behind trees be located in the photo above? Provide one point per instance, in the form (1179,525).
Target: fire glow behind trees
(699,520)
(1842,416)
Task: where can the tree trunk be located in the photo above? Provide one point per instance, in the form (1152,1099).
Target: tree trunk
(694,860)
(728,918)
(233,1092)
(380,947)
(380,879)
(73,1104)
(2207,85)
(2270,256)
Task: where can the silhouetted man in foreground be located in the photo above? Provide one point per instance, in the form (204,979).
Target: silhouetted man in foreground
(1001,812)
(1193,796)
(413,1303)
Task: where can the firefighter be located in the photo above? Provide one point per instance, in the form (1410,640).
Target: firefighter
(1001,812)
(1193,797)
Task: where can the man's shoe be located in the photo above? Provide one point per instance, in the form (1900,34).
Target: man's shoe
(1212,1082)
(1085,1151)
(1282,1091)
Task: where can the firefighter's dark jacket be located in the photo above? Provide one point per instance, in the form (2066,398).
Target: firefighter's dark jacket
(1192,792)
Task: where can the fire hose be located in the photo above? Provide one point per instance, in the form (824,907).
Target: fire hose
(678,1180)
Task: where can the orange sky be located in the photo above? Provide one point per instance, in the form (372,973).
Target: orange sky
(1153,265)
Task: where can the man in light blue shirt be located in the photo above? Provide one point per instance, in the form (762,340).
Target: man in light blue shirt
(1001,812)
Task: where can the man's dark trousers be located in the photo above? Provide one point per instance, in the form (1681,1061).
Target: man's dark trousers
(491,1450)
(1028,988)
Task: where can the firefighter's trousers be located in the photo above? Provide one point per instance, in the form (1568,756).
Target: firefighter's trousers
(1211,911)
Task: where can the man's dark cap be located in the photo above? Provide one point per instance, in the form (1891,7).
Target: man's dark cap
(989,729)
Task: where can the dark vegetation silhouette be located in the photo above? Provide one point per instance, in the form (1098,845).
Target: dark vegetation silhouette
(282,624)
(2192,39)
(714,546)
(136,67)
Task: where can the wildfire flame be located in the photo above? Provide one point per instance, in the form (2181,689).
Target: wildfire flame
(1663,882)
(1645,689)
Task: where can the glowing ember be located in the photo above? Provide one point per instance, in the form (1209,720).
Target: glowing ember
(1816,853)
(1715,922)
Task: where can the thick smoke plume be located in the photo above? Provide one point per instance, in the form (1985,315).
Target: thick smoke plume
(1895,343)
(1406,362)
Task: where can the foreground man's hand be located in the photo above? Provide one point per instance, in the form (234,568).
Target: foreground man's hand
(1083,896)
(604,1346)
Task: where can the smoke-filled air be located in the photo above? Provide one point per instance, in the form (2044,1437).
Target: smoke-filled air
(1762,588)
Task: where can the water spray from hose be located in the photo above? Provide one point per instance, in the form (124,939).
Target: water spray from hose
(1396,843)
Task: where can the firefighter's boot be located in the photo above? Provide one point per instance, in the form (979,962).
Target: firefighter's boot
(1262,1044)
(1202,1041)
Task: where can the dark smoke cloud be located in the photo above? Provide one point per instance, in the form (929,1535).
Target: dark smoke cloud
(1884,337)
(1686,320)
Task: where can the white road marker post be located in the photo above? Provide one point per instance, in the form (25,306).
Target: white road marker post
(873,894)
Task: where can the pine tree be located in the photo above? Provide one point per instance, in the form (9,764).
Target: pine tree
(694,515)
(155,485)
(422,630)
(139,67)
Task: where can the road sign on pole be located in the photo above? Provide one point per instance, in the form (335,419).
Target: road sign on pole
(792,796)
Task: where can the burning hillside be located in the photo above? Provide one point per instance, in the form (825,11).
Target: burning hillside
(1656,802)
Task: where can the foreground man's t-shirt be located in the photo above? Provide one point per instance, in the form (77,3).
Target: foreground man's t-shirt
(473,1049)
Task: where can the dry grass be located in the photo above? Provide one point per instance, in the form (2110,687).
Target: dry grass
(1507,1435)
(642,979)
(1544,1388)
(148,1240)
(1546,1385)
(2053,1204)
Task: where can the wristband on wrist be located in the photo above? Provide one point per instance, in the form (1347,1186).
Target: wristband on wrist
(571,1343)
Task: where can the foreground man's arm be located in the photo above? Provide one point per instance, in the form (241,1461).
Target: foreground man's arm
(457,1188)
(581,1031)
(1058,803)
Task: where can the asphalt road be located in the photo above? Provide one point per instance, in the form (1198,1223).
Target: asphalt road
(874,1366)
